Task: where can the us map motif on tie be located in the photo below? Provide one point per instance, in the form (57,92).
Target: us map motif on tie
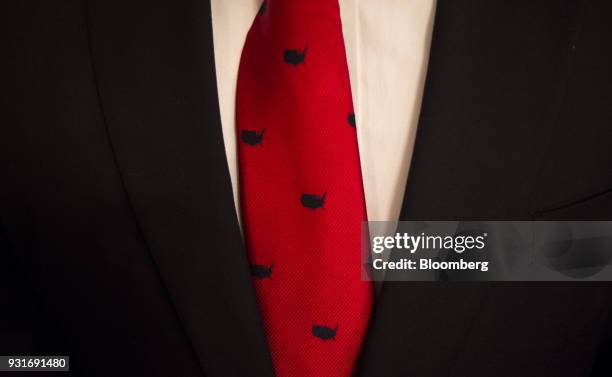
(301,189)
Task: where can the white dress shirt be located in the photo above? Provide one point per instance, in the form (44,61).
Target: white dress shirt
(387,46)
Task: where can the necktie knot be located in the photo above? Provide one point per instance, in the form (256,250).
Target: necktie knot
(291,16)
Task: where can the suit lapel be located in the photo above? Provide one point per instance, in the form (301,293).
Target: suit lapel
(494,85)
(153,61)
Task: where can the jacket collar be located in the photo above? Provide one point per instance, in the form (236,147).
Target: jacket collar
(154,64)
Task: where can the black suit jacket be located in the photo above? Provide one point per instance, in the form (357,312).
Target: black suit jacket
(120,243)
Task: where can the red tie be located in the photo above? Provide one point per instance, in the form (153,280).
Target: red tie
(301,190)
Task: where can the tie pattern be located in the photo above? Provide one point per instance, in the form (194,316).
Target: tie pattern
(301,189)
